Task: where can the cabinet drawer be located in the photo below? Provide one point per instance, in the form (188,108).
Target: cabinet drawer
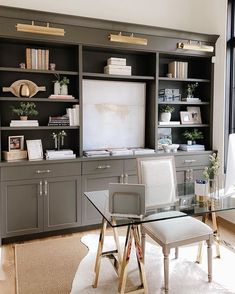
(41,171)
(192,160)
(102,166)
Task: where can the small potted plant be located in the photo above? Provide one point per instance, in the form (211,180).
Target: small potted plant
(191,89)
(192,136)
(165,112)
(25,110)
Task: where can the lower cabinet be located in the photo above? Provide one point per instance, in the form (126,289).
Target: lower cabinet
(33,206)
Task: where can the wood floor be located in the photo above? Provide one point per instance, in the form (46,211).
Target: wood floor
(7,285)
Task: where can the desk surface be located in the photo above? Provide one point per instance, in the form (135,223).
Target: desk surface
(186,205)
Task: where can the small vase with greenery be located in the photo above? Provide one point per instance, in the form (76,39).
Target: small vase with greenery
(191,89)
(192,136)
(64,86)
(165,112)
(25,110)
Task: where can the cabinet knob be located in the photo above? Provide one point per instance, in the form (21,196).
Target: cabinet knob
(46,171)
(126,179)
(103,166)
(121,178)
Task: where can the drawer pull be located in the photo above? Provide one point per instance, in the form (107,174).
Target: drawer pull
(103,166)
(46,171)
(189,160)
(40,188)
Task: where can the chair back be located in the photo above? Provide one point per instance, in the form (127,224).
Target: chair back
(159,176)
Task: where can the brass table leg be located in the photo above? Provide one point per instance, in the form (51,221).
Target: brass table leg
(99,252)
(132,233)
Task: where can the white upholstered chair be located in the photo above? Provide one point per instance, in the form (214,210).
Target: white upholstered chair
(159,175)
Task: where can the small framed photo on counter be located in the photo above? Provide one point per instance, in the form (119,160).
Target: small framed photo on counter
(35,151)
(186,118)
(15,143)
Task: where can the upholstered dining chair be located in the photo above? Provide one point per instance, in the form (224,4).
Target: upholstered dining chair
(159,175)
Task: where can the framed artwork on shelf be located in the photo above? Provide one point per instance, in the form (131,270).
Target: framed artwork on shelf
(196,114)
(35,151)
(15,143)
(186,118)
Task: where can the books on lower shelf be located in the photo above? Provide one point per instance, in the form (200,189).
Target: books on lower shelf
(59,154)
(96,153)
(58,121)
(117,66)
(168,123)
(195,147)
(24,123)
(191,99)
(73,115)
(143,151)
(37,58)
(119,152)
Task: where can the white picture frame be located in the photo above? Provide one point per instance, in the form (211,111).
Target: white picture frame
(15,143)
(34,148)
(196,114)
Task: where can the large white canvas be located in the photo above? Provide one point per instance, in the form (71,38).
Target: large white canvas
(113,114)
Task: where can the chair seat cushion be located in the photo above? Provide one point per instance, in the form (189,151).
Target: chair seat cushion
(177,229)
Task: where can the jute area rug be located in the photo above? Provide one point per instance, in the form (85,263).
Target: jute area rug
(186,277)
(48,266)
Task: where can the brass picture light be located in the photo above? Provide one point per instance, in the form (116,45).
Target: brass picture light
(127,39)
(35,29)
(195,46)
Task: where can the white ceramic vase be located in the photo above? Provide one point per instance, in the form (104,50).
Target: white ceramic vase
(165,116)
(56,88)
(64,90)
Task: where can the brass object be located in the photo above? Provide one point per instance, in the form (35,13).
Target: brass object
(24,88)
(35,29)
(119,263)
(195,46)
(127,39)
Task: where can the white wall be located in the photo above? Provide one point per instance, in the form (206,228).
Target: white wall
(203,16)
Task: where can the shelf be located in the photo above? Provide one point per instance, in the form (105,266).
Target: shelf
(183,80)
(108,76)
(39,128)
(185,103)
(38,99)
(22,70)
(184,126)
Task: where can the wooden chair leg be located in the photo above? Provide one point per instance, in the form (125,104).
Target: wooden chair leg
(209,258)
(143,240)
(166,252)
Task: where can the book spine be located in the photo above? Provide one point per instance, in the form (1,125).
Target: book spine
(76,114)
(70,115)
(28,58)
(47,59)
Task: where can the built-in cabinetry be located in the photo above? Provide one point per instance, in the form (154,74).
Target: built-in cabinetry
(48,195)
(38,198)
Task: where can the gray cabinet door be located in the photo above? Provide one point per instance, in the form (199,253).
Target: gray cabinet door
(94,183)
(22,207)
(62,203)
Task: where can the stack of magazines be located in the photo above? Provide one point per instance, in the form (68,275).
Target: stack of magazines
(59,154)
(195,147)
(96,153)
(58,121)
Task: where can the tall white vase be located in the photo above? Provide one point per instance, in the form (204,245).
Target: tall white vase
(56,88)
(64,90)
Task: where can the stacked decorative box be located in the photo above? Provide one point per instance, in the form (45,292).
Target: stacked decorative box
(117,66)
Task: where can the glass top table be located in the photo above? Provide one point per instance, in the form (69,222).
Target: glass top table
(186,203)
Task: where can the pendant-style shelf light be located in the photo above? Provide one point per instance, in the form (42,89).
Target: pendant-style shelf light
(127,39)
(195,46)
(35,29)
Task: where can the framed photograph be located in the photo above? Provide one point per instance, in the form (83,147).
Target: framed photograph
(15,143)
(196,114)
(186,118)
(35,151)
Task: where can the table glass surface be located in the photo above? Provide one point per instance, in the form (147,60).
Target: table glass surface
(186,205)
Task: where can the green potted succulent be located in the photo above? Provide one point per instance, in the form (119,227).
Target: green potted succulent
(165,112)
(192,136)
(25,109)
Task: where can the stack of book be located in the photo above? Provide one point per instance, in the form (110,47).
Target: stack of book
(178,69)
(73,115)
(96,153)
(120,152)
(195,147)
(24,123)
(59,154)
(117,66)
(191,99)
(143,151)
(61,97)
(166,123)
(37,58)
(58,121)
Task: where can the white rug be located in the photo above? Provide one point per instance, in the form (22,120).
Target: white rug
(186,277)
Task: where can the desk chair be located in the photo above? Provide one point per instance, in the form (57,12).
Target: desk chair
(159,175)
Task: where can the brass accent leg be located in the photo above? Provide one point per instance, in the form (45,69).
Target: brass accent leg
(199,251)
(99,252)
(132,233)
(143,240)
(116,238)
(209,258)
